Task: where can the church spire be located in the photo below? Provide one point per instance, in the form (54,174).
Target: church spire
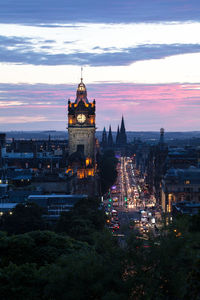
(118,136)
(104,138)
(110,137)
(122,129)
(123,137)
(81,74)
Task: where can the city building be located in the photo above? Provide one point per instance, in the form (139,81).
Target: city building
(55,204)
(180,185)
(154,164)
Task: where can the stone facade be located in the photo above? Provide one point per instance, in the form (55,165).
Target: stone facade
(83,146)
(82,136)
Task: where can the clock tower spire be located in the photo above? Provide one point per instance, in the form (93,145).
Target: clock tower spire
(81,126)
(81,74)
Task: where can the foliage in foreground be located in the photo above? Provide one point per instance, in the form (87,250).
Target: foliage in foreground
(83,261)
(24,218)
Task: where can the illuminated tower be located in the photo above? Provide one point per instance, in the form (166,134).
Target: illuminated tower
(81,124)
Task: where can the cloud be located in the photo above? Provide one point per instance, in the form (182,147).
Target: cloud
(48,11)
(183,68)
(21,51)
(13,41)
(145,106)
(4,104)
(22,119)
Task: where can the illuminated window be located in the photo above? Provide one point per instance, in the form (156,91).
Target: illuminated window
(90,172)
(80,174)
(187,182)
(88,161)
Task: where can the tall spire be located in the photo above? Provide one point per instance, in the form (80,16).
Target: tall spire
(123,137)
(81,74)
(81,93)
(110,137)
(122,129)
(118,136)
(104,138)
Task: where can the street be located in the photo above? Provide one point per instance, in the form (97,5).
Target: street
(127,206)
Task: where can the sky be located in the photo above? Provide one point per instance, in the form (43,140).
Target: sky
(140,59)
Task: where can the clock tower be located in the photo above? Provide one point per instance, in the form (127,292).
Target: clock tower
(81,125)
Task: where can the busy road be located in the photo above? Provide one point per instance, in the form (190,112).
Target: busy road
(128,204)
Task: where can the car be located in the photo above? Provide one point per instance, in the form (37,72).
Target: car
(114,227)
(114,213)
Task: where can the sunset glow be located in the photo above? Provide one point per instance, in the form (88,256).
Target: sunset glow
(146,66)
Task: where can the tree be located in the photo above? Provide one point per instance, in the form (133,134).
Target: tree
(195,223)
(108,172)
(159,268)
(44,265)
(38,247)
(20,282)
(83,220)
(83,276)
(24,218)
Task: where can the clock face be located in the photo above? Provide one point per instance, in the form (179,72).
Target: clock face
(81,118)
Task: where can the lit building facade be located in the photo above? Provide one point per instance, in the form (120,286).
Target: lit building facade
(180,185)
(81,123)
(81,134)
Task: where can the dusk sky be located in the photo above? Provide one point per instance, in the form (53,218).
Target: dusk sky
(140,59)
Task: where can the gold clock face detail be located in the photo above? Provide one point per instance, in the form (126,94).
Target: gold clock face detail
(81,118)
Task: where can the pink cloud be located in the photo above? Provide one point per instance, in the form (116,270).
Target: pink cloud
(145,107)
